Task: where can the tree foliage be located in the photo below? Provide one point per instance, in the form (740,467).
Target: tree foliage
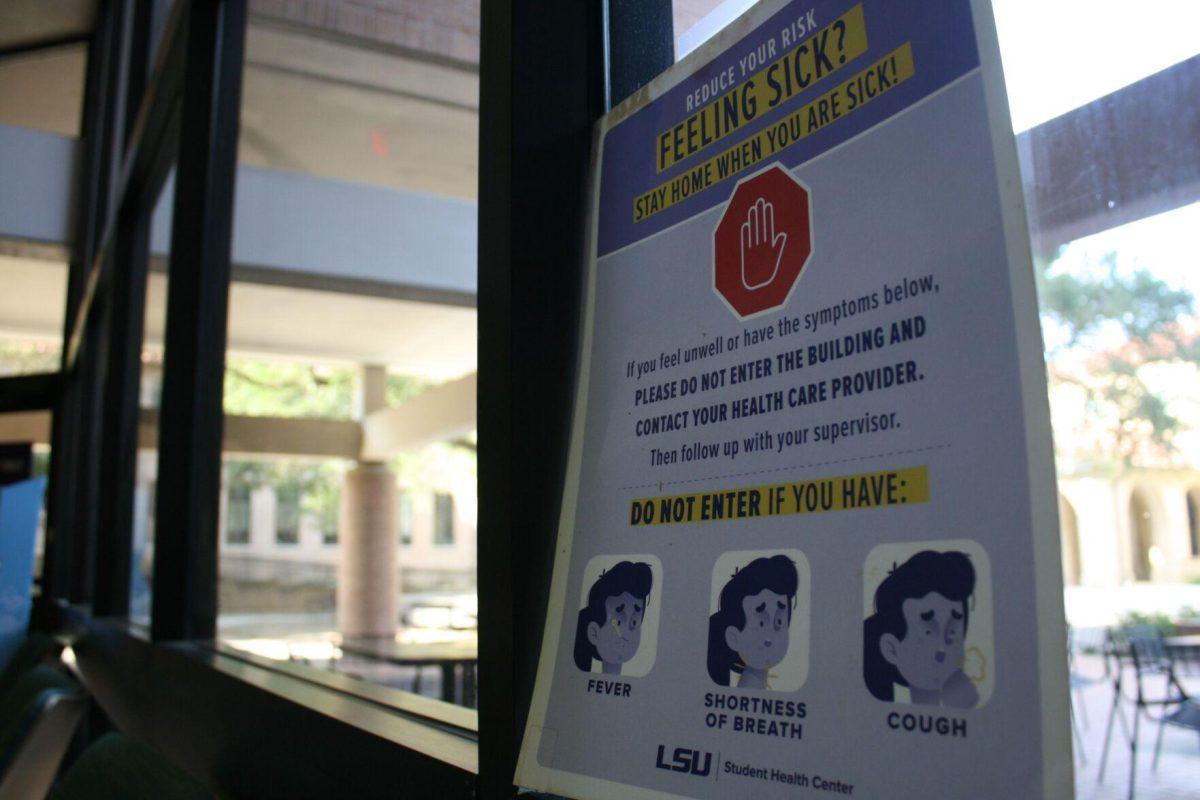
(19,357)
(1116,323)
(286,389)
(1141,304)
(257,388)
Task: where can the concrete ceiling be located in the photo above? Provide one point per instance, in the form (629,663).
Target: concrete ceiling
(688,12)
(337,111)
(31,305)
(27,22)
(43,90)
(309,104)
(423,339)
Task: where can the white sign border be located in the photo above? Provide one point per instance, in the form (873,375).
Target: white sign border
(1057,762)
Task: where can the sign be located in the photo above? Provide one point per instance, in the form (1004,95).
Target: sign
(808,543)
(20,510)
(762,242)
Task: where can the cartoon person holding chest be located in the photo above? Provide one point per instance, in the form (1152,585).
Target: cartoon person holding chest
(609,629)
(916,637)
(750,632)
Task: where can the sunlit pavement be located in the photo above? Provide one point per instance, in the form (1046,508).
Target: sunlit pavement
(312,640)
(1178,773)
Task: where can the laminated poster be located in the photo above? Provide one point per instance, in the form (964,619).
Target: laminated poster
(808,544)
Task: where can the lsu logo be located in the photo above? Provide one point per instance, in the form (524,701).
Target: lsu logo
(684,760)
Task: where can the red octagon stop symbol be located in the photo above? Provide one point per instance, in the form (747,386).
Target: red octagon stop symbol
(763,242)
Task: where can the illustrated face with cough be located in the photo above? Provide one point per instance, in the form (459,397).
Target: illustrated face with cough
(763,641)
(932,649)
(916,637)
(617,639)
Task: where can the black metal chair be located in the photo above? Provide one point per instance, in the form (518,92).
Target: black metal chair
(117,768)
(38,717)
(1152,657)
(1079,681)
(1151,661)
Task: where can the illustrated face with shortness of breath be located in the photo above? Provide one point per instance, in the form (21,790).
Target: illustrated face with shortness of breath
(763,641)
(618,638)
(932,648)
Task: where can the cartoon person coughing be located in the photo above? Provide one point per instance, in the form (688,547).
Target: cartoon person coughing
(610,625)
(916,636)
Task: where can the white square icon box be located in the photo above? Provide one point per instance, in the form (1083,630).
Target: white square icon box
(759,620)
(927,624)
(616,625)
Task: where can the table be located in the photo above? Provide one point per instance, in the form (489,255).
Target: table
(1185,649)
(450,657)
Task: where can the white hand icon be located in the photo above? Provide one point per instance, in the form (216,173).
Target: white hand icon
(762,247)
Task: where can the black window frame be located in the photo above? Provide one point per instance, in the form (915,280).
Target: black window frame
(141,120)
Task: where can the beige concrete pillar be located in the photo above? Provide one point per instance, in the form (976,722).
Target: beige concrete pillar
(366,590)
(372,390)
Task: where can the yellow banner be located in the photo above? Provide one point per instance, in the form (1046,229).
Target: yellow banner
(877,79)
(898,487)
(825,52)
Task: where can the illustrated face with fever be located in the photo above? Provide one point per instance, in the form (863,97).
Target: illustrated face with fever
(609,627)
(618,637)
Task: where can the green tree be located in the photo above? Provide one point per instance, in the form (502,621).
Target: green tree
(20,357)
(1118,322)
(284,389)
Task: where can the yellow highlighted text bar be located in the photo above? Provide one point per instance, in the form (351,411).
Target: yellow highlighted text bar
(897,487)
(841,101)
(822,54)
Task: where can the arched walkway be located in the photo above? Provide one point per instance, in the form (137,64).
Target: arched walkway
(1068,524)
(1193,509)
(1141,535)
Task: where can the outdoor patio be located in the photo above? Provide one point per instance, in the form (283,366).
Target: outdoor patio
(1178,773)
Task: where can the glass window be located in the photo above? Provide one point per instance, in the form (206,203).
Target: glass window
(1109,163)
(146,477)
(27,356)
(141,572)
(404,515)
(287,513)
(352,340)
(259,387)
(31,306)
(237,513)
(1112,219)
(443,519)
(41,468)
(322,501)
(697,21)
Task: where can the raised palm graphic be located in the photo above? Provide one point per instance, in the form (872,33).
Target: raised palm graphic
(762,247)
